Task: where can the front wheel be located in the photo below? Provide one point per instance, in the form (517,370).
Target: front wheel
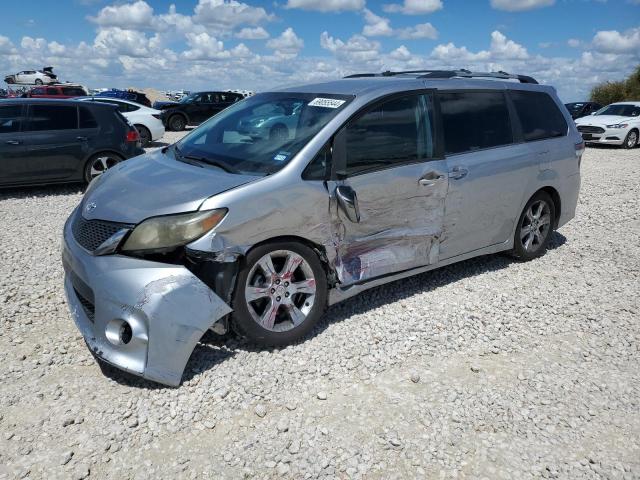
(631,140)
(177,123)
(98,164)
(38,81)
(280,294)
(534,227)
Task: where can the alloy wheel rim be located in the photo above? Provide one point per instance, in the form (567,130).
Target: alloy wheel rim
(633,138)
(535,227)
(101,165)
(280,290)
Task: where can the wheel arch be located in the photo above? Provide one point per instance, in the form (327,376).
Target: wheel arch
(557,203)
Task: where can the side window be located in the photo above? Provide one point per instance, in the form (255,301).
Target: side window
(87,120)
(539,115)
(474,121)
(37,91)
(395,132)
(10,119)
(73,91)
(52,91)
(53,117)
(320,167)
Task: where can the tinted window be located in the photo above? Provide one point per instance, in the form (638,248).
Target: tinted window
(474,120)
(52,91)
(53,117)
(539,115)
(73,91)
(37,91)
(87,120)
(623,110)
(395,132)
(319,167)
(10,119)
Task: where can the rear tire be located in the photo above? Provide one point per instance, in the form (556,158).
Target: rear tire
(38,81)
(535,227)
(631,140)
(177,123)
(100,163)
(145,135)
(278,308)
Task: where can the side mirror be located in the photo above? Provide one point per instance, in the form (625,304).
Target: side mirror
(348,202)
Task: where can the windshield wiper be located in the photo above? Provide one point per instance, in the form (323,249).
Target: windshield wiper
(207,161)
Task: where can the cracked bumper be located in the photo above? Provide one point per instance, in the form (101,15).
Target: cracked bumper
(167,308)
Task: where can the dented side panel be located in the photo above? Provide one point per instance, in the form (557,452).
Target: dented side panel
(400,226)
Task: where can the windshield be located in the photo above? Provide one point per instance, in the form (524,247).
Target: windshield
(574,107)
(188,98)
(259,135)
(622,110)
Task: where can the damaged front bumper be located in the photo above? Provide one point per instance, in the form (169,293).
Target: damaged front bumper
(143,317)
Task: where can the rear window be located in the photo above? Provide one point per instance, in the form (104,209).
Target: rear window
(539,115)
(53,117)
(73,91)
(10,119)
(474,121)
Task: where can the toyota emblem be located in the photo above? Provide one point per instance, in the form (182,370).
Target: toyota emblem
(91,206)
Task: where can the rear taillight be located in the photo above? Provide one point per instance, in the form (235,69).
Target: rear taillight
(133,136)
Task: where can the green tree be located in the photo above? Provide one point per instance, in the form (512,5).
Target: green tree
(610,92)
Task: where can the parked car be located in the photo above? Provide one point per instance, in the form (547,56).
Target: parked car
(130,95)
(582,109)
(56,92)
(380,179)
(615,124)
(146,120)
(33,77)
(195,108)
(59,141)
(3,93)
(280,121)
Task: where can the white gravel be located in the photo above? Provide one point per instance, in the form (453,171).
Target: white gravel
(488,368)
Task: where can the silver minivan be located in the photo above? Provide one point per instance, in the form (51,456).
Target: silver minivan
(293,200)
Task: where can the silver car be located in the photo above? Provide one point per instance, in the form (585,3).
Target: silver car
(381,177)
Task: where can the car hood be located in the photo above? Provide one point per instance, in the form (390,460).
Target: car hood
(154,184)
(602,120)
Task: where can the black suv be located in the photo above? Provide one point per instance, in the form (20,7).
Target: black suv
(582,109)
(57,141)
(195,108)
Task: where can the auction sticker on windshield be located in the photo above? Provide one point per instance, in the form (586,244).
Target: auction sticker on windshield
(326,102)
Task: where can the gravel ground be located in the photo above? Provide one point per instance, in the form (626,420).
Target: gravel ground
(488,368)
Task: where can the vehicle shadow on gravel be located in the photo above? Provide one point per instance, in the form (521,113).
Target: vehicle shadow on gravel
(214,349)
(18,193)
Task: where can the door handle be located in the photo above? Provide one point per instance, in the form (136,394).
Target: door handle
(82,139)
(13,142)
(458,172)
(430,179)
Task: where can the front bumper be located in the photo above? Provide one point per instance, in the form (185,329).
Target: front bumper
(166,307)
(610,136)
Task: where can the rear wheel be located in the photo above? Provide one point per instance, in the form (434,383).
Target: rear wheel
(177,123)
(631,140)
(100,163)
(281,292)
(145,135)
(534,227)
(38,81)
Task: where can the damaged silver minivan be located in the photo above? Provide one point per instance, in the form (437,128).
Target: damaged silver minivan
(293,200)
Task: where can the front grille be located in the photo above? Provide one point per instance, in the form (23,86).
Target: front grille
(590,129)
(90,234)
(88,307)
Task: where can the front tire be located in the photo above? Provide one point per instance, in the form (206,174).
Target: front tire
(38,81)
(177,123)
(280,294)
(98,164)
(631,140)
(535,227)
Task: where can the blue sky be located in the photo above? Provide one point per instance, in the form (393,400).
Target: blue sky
(193,44)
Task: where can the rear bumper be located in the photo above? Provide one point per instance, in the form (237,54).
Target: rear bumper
(165,306)
(156,128)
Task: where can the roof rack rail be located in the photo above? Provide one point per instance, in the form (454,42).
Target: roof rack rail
(462,73)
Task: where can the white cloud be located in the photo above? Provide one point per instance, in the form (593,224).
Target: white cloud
(257,33)
(422,30)
(401,53)
(520,5)
(204,47)
(574,43)
(56,48)
(357,49)
(129,15)
(414,7)
(376,26)
(114,41)
(326,5)
(288,44)
(227,14)
(6,46)
(504,48)
(612,41)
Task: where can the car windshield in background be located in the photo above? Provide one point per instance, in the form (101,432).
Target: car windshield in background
(187,99)
(620,110)
(574,107)
(262,133)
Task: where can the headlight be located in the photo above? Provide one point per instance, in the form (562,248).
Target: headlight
(172,230)
(618,125)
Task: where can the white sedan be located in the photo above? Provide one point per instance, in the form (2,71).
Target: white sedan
(32,77)
(146,120)
(615,124)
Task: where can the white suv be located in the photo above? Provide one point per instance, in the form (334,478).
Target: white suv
(615,124)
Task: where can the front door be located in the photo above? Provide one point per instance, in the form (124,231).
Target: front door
(13,162)
(389,197)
